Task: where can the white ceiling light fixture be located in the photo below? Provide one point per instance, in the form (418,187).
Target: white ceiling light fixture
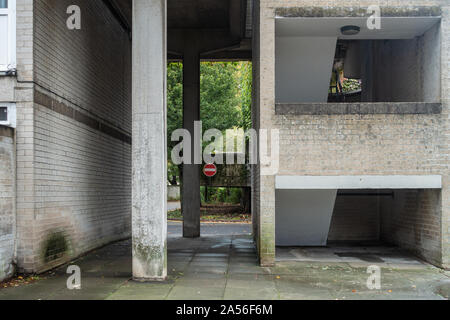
(350,30)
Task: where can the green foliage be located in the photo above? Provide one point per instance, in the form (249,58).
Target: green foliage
(225,96)
(350,85)
(55,246)
(246,87)
(219,96)
(174,100)
(222,195)
(225,99)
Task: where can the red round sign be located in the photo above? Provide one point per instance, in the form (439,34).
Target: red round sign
(210,170)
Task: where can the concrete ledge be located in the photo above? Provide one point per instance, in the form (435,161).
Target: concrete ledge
(359,11)
(6,131)
(357,108)
(358,182)
(68,111)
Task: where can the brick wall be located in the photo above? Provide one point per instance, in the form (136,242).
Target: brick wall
(406,70)
(445,98)
(355,218)
(23,97)
(7,201)
(412,220)
(79,179)
(396,65)
(352,144)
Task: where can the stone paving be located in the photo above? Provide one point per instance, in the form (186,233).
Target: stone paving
(223,265)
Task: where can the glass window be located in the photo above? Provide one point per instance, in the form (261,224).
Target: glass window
(7,35)
(3,114)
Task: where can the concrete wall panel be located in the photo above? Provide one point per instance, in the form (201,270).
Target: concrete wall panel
(303,217)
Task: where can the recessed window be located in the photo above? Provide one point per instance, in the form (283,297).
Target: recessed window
(8,114)
(334,59)
(3,113)
(7,35)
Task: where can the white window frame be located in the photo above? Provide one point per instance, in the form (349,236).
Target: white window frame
(10,12)
(12,115)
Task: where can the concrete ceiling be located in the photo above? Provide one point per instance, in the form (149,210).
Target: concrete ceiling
(198,14)
(229,19)
(391,27)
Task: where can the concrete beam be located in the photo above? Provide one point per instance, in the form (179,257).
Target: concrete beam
(203,40)
(149,216)
(358,182)
(190,193)
(358,108)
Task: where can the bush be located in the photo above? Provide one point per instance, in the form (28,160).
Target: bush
(222,195)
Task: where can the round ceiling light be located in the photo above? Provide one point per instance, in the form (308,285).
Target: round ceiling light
(350,30)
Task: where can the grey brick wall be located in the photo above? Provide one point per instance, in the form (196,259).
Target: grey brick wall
(75,163)
(7,201)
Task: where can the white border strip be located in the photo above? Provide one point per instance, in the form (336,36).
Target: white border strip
(358,182)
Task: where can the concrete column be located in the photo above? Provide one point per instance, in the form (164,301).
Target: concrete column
(191,112)
(149,141)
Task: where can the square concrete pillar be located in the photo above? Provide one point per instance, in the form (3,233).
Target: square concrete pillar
(149,141)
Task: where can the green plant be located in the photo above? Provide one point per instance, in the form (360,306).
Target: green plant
(55,246)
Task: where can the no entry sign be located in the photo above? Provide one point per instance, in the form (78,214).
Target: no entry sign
(210,170)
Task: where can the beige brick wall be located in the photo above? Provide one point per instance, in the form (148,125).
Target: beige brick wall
(7,201)
(350,144)
(76,178)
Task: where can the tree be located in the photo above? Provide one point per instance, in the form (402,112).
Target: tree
(246,87)
(225,98)
(219,96)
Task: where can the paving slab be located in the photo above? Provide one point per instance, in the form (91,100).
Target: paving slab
(225,266)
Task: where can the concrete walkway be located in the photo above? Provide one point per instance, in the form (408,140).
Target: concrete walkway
(223,265)
(173,205)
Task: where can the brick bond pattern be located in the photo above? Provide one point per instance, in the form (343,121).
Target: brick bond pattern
(7,201)
(73,180)
(352,144)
